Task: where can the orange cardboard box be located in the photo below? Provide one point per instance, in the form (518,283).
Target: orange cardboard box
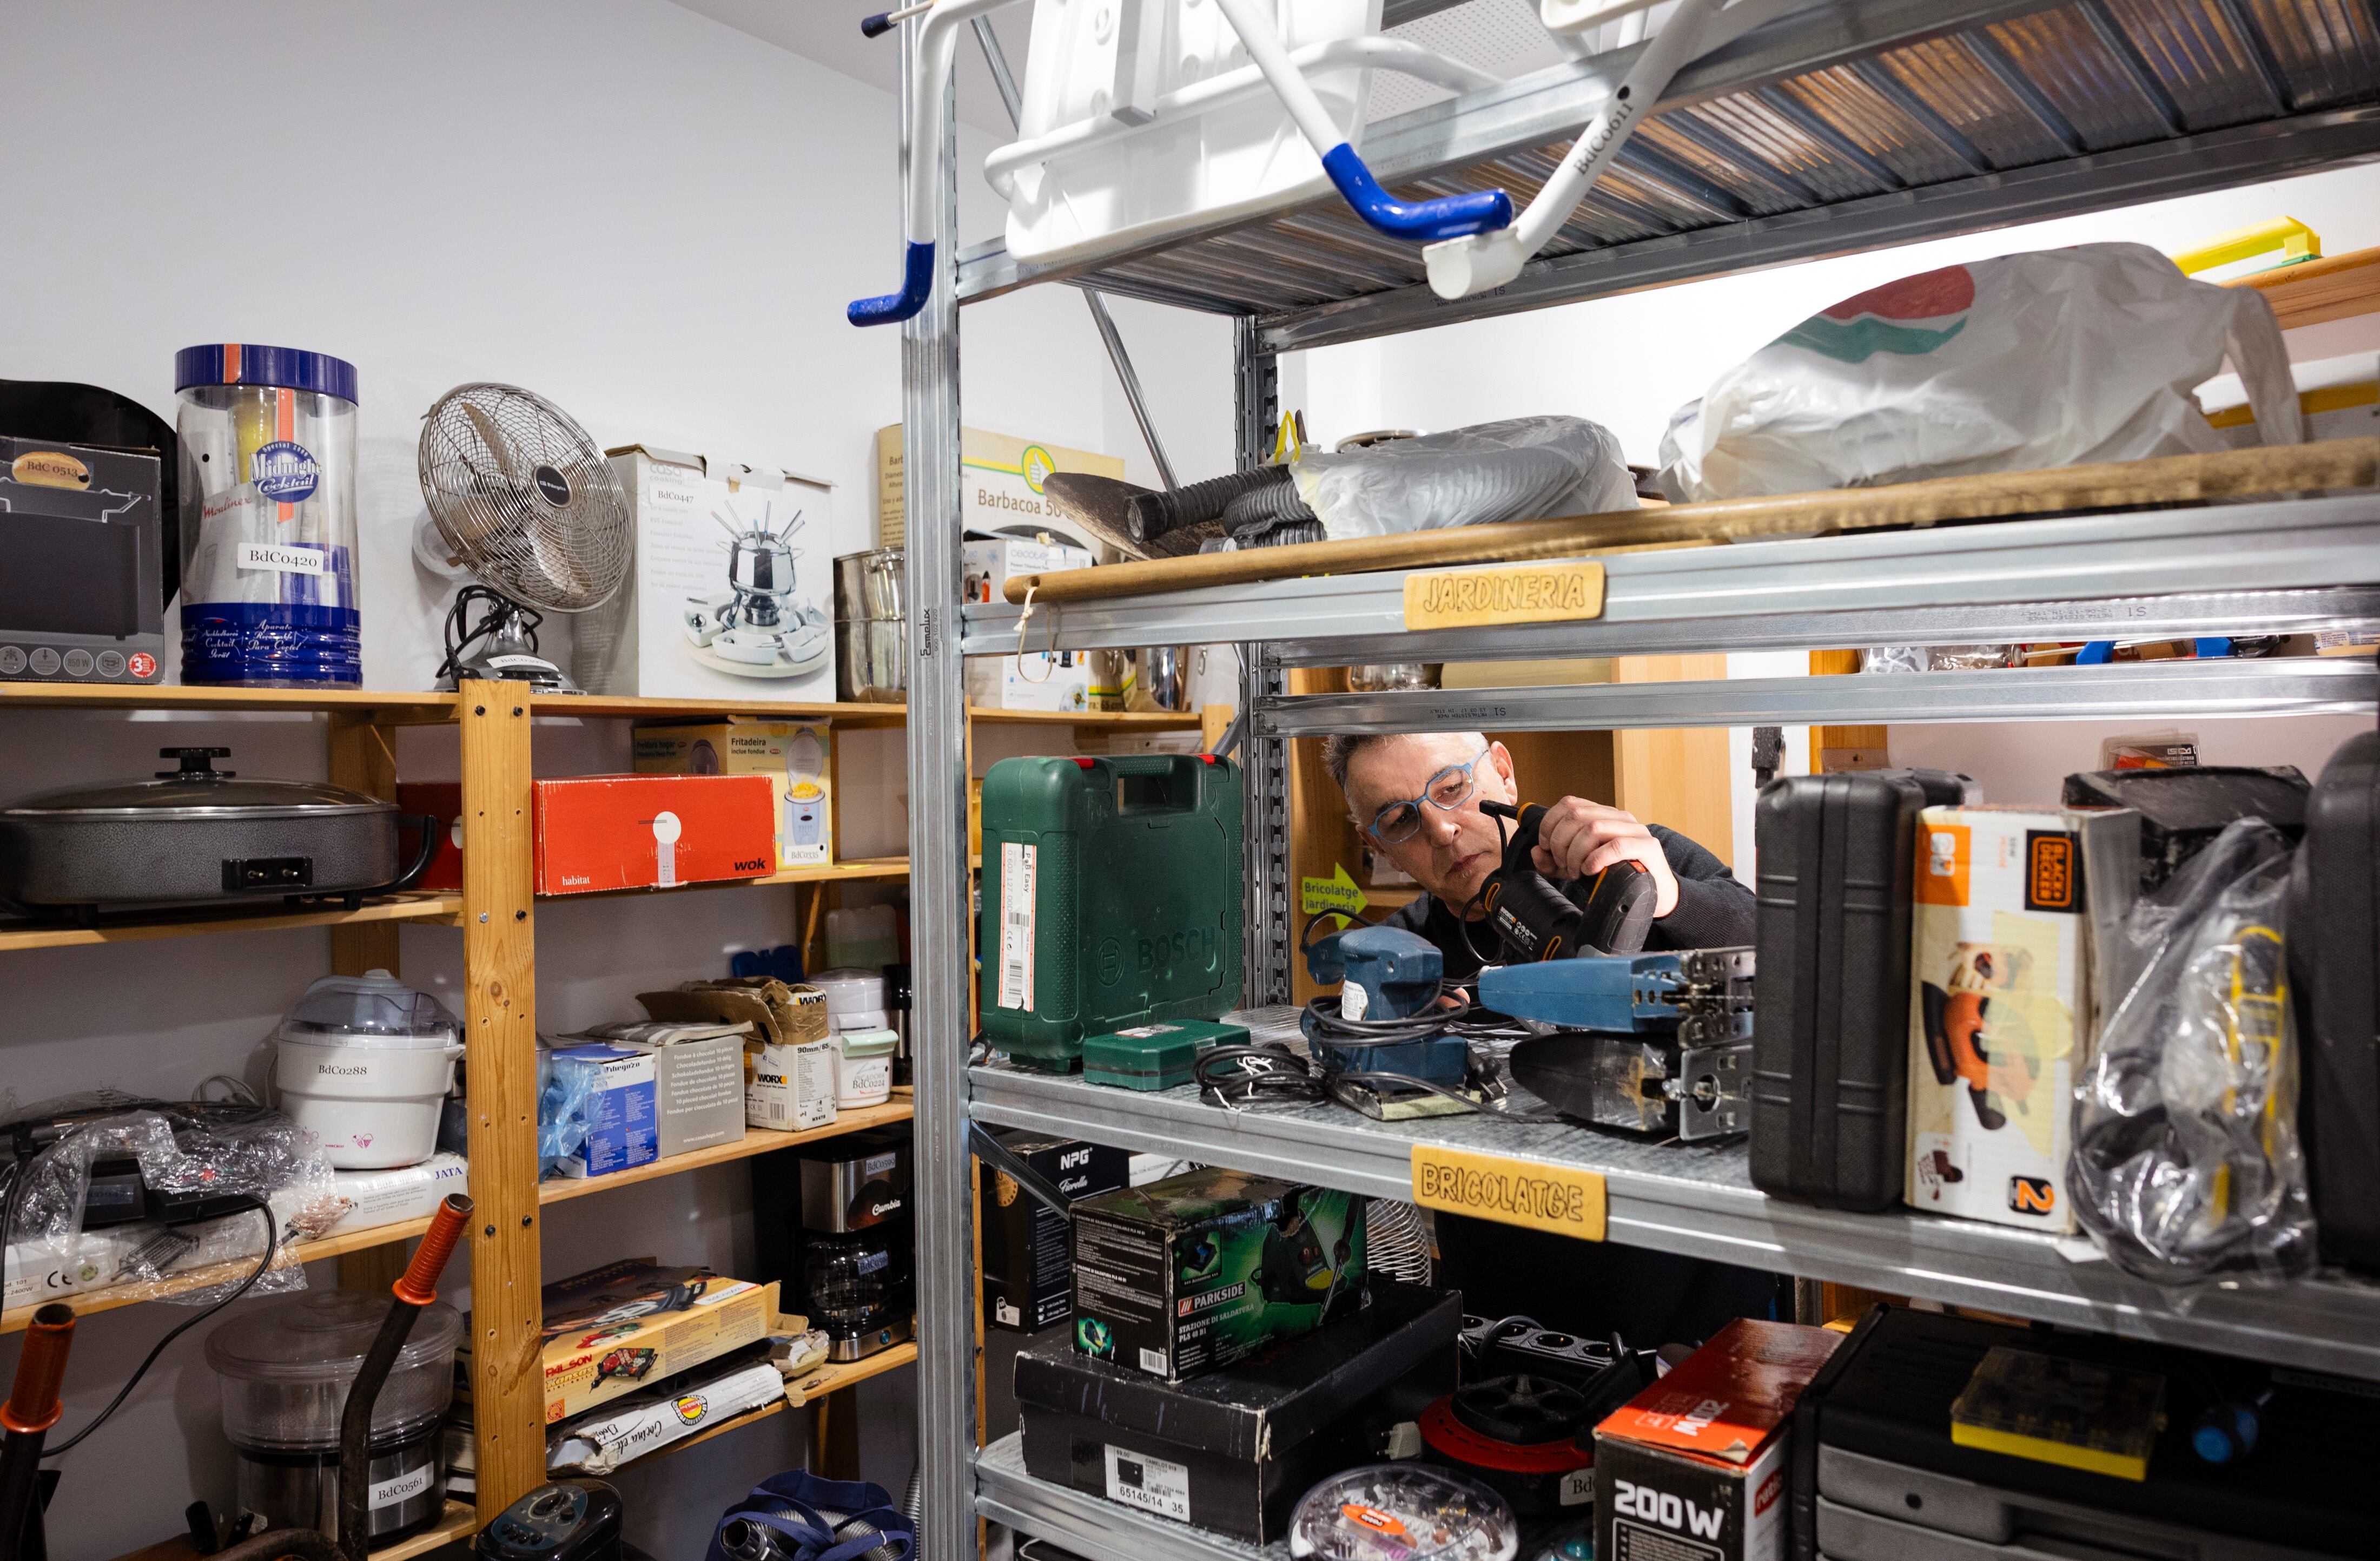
(652,831)
(1696,1465)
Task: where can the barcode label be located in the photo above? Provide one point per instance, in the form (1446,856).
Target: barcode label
(1150,1485)
(1152,1361)
(1016,871)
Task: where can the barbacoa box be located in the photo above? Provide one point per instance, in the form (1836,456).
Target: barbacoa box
(1999,1012)
(1027,1257)
(1198,1271)
(1233,1450)
(615,1329)
(1694,1468)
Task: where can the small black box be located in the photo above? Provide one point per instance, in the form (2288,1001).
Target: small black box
(81,595)
(1028,1274)
(1233,1450)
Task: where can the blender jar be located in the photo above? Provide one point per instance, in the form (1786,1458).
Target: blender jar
(849,1282)
(268,496)
(284,1369)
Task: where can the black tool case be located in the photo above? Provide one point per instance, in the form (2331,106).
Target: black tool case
(1830,1028)
(2333,943)
(1875,1468)
(2181,809)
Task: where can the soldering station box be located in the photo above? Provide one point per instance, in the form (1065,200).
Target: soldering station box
(1027,1257)
(1233,1450)
(1111,898)
(1195,1272)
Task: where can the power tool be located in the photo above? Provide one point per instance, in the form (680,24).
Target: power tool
(1644,1043)
(1385,1018)
(1537,921)
(1294,1269)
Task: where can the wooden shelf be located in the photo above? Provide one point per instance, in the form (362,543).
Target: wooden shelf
(201,919)
(814,1386)
(398,706)
(633,708)
(860,870)
(460,1522)
(1116,720)
(756,1140)
(86,1303)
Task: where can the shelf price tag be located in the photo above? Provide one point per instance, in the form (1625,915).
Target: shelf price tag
(1520,593)
(1561,1200)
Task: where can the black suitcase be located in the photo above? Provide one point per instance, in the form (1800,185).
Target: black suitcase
(2334,942)
(1831,1018)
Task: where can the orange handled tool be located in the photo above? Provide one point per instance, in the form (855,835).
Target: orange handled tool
(33,1407)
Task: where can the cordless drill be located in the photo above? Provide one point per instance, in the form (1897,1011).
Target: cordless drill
(1537,921)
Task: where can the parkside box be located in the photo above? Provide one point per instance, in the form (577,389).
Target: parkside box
(1000,484)
(2000,1012)
(1198,1271)
(1694,1468)
(1111,897)
(797,755)
(729,597)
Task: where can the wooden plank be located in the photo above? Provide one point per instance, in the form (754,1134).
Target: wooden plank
(1104,720)
(336,1245)
(1321,836)
(1677,776)
(834,1377)
(197,921)
(363,758)
(1840,740)
(408,708)
(638,709)
(859,870)
(460,1522)
(2228,474)
(2314,292)
(500,1021)
(756,1140)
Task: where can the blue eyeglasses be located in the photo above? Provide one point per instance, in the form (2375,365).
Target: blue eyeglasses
(1446,790)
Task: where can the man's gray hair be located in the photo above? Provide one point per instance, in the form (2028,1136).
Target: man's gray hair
(1338,751)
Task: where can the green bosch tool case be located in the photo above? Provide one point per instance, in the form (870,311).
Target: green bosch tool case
(1111,895)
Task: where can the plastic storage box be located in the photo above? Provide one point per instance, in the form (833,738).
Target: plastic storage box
(1111,899)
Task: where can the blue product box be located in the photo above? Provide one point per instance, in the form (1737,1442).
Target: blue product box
(612,1086)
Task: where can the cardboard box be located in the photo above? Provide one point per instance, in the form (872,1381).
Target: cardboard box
(1193,1273)
(797,756)
(1999,1012)
(788,1059)
(1029,1269)
(706,524)
(1233,1450)
(602,1344)
(698,1079)
(442,800)
(82,598)
(652,831)
(1038,680)
(1694,1468)
(1001,481)
(618,1084)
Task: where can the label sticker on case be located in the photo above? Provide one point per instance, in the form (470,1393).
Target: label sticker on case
(1150,1485)
(1016,866)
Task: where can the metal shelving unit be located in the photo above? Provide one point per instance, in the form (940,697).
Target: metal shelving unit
(1831,128)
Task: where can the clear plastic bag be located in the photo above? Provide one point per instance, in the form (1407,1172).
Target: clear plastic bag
(2186,1164)
(1520,469)
(2047,359)
(216,1148)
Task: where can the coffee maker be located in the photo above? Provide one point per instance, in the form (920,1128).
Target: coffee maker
(858,1271)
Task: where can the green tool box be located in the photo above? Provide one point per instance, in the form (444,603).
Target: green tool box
(1111,898)
(1155,1056)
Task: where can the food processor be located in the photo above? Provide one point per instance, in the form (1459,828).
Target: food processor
(365,1064)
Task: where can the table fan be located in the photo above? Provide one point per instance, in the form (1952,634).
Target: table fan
(522,500)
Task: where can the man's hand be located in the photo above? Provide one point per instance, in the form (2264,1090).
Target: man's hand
(1579,839)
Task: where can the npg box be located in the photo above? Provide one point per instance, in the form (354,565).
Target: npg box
(1111,897)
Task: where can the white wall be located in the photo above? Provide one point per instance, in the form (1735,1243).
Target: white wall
(650,218)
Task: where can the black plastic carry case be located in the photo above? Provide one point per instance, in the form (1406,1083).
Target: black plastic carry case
(1830,1026)
(2334,942)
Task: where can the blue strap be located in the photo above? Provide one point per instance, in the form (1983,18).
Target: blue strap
(1421,222)
(916,283)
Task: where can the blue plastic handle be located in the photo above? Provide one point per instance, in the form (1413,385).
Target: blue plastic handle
(894,308)
(875,26)
(1424,222)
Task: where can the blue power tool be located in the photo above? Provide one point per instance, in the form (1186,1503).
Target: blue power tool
(1379,1022)
(1645,1043)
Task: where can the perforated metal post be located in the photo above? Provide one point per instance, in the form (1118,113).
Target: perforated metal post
(939,889)
(1257,383)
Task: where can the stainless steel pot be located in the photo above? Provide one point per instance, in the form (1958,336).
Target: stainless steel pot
(202,834)
(1381,677)
(871,627)
(1160,679)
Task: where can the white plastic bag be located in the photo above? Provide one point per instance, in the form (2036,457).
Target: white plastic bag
(1517,470)
(2054,358)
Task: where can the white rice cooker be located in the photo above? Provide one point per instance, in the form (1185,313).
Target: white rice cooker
(365,1064)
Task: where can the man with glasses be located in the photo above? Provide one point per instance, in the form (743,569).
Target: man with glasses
(1415,799)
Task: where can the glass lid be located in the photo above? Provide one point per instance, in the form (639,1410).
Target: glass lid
(198,788)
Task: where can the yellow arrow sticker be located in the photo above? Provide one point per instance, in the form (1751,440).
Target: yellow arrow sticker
(1558,1198)
(1337,891)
